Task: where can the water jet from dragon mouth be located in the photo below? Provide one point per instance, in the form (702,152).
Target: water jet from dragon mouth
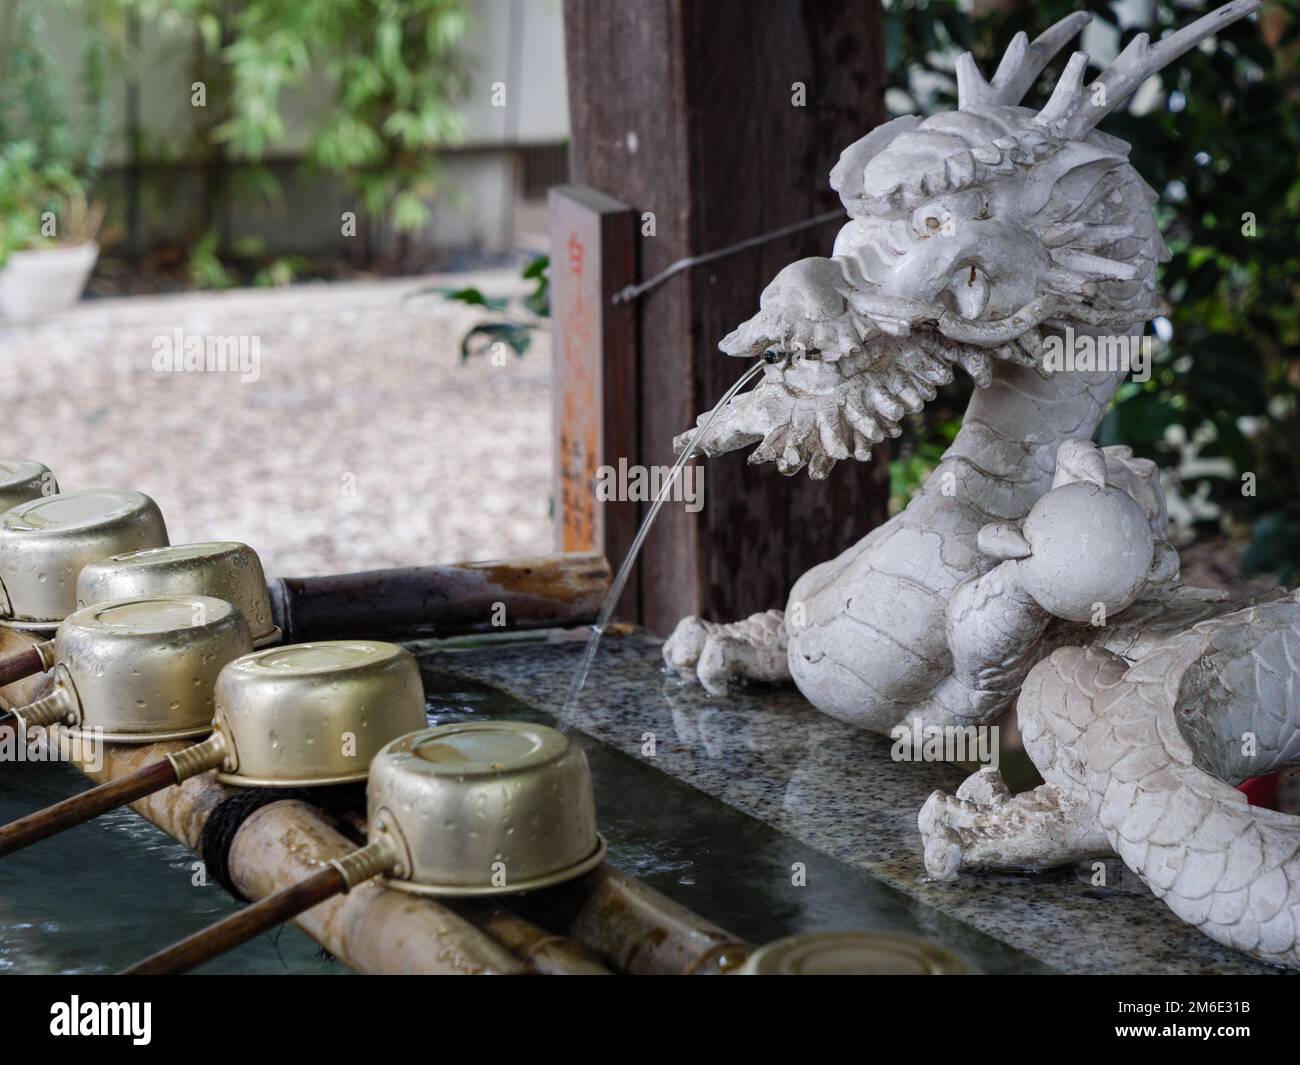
(624,571)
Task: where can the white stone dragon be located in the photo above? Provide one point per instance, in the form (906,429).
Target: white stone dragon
(1031,563)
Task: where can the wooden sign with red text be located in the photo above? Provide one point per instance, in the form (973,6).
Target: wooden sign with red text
(593,255)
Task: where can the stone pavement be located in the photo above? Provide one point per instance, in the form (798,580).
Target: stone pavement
(363,442)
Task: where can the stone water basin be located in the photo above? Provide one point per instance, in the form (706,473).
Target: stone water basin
(752,810)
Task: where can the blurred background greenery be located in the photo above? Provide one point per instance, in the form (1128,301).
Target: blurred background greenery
(184,113)
(1217,135)
(1219,140)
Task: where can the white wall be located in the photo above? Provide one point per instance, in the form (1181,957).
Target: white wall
(537,110)
(518,42)
(537,103)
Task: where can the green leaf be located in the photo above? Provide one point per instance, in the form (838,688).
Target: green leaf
(210,31)
(410,213)
(471,296)
(518,337)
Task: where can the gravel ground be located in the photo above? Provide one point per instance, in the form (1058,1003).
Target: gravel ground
(364,442)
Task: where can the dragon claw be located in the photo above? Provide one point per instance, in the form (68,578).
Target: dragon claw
(719,656)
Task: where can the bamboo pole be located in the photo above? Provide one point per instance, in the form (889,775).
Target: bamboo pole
(529,592)
(242,925)
(546,591)
(374,929)
(638,930)
(543,951)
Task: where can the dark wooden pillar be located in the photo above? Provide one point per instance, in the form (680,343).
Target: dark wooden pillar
(690,109)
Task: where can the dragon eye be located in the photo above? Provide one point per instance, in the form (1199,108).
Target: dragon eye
(970,288)
(931,220)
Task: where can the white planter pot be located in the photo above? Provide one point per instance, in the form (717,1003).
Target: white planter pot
(34,284)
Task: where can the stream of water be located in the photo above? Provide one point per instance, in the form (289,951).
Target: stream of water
(620,578)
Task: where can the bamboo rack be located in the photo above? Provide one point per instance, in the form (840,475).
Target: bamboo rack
(605,921)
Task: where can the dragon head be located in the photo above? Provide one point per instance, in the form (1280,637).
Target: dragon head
(969,234)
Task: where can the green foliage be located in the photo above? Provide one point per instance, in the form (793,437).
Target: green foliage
(395,72)
(473,297)
(280,271)
(34,102)
(1222,148)
(30,192)
(392,68)
(204,267)
(539,272)
(916,460)
(517,328)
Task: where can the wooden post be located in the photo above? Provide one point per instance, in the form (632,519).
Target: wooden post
(723,118)
(594,371)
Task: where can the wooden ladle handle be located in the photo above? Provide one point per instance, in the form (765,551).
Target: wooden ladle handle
(23,664)
(53,819)
(338,876)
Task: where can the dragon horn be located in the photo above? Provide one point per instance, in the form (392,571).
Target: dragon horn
(1131,68)
(1020,65)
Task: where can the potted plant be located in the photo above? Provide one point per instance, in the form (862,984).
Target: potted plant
(47,235)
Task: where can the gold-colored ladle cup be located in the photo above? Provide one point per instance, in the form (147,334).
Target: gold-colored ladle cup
(469,809)
(45,543)
(22,480)
(223,570)
(852,953)
(304,715)
(138,670)
(131,671)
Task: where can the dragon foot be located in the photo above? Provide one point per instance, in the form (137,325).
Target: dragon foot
(719,655)
(984,826)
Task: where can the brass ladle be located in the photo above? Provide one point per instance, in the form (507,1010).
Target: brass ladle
(139,670)
(223,570)
(45,543)
(852,953)
(21,480)
(305,715)
(133,671)
(470,809)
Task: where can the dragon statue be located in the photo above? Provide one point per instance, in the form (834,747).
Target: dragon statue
(1032,567)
